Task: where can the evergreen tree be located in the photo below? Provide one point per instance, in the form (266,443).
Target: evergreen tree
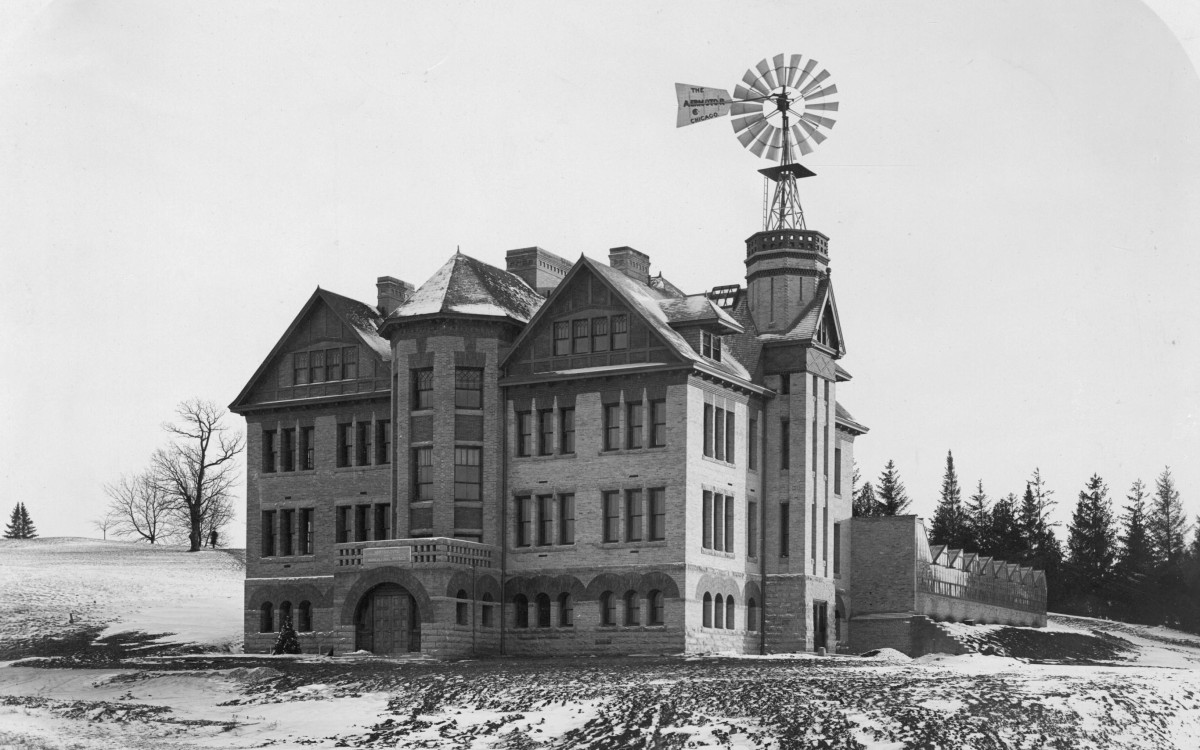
(1135,559)
(1092,543)
(20,525)
(949,520)
(978,518)
(1004,540)
(27,524)
(1166,523)
(893,499)
(286,642)
(1041,548)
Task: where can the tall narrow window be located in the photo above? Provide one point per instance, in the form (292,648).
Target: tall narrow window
(462,608)
(825,533)
(837,471)
(524,433)
(752,441)
(382,522)
(268,451)
(304,617)
(708,429)
(611,501)
(287,523)
(423,473)
(300,368)
(710,346)
(785,537)
(706,520)
(342,524)
(345,444)
(633,515)
(383,441)
(306,531)
(562,338)
(566,518)
(364,444)
(524,521)
(729,437)
(612,427)
(814,531)
(718,521)
(266,618)
(545,520)
(349,363)
(633,608)
(785,444)
(599,334)
(751,615)
(815,441)
(566,612)
(308,459)
(658,514)
(581,331)
(658,423)
(362,514)
(752,529)
(566,427)
(268,533)
(837,549)
(545,432)
(620,331)
(633,424)
(729,613)
(543,610)
(485,611)
(729,527)
(654,603)
(608,609)
(422,389)
(719,434)
(316,367)
(468,388)
(468,473)
(333,364)
(288,452)
(708,610)
(718,620)
(521,611)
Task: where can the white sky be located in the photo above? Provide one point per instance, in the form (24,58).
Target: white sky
(1011,191)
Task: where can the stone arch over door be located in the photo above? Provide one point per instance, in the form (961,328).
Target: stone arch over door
(387,621)
(388,574)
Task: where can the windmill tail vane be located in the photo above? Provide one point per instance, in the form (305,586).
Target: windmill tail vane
(781,108)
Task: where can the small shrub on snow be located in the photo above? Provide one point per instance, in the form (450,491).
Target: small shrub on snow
(287,642)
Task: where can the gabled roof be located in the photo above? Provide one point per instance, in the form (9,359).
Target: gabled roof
(364,319)
(466,286)
(814,312)
(843,418)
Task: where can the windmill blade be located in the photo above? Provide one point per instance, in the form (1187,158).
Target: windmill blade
(823,92)
(829,106)
(759,145)
(755,85)
(775,147)
(793,70)
(766,74)
(805,73)
(742,108)
(800,141)
(750,134)
(811,131)
(700,103)
(781,75)
(824,122)
(814,83)
(741,123)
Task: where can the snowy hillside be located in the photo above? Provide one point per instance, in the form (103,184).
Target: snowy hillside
(56,587)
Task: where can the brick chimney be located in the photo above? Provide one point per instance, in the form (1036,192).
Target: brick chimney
(634,264)
(392,293)
(540,269)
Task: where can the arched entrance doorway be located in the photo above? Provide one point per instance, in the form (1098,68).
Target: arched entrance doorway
(386,621)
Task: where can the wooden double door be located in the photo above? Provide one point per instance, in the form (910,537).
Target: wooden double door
(386,621)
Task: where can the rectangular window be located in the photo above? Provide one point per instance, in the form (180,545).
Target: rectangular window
(620,332)
(633,424)
(825,533)
(658,514)
(719,424)
(612,515)
(718,521)
(566,427)
(706,520)
(814,532)
(562,338)
(785,537)
(305,536)
(423,473)
(362,514)
(524,521)
(633,515)
(566,518)
(545,432)
(581,330)
(308,459)
(729,527)
(710,346)
(268,451)
(837,549)
(350,363)
(785,384)
(599,334)
(333,364)
(612,427)
(287,523)
(729,437)
(708,430)
(545,520)
(837,471)
(785,444)
(815,441)
(268,533)
(752,529)
(524,433)
(752,448)
(364,444)
(468,473)
(316,367)
(382,524)
(300,368)
(342,526)
(288,449)
(422,389)
(383,441)
(468,388)
(658,423)
(345,444)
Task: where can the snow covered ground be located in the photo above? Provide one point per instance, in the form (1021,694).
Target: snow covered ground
(1145,693)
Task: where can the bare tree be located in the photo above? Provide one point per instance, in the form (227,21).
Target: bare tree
(104,523)
(139,508)
(197,471)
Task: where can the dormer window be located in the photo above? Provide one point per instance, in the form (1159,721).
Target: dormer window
(710,346)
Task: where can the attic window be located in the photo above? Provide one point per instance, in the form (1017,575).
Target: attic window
(322,365)
(724,296)
(824,332)
(710,346)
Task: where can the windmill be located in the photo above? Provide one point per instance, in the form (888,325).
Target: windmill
(798,107)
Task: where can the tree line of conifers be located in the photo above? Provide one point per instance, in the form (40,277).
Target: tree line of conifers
(1136,566)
